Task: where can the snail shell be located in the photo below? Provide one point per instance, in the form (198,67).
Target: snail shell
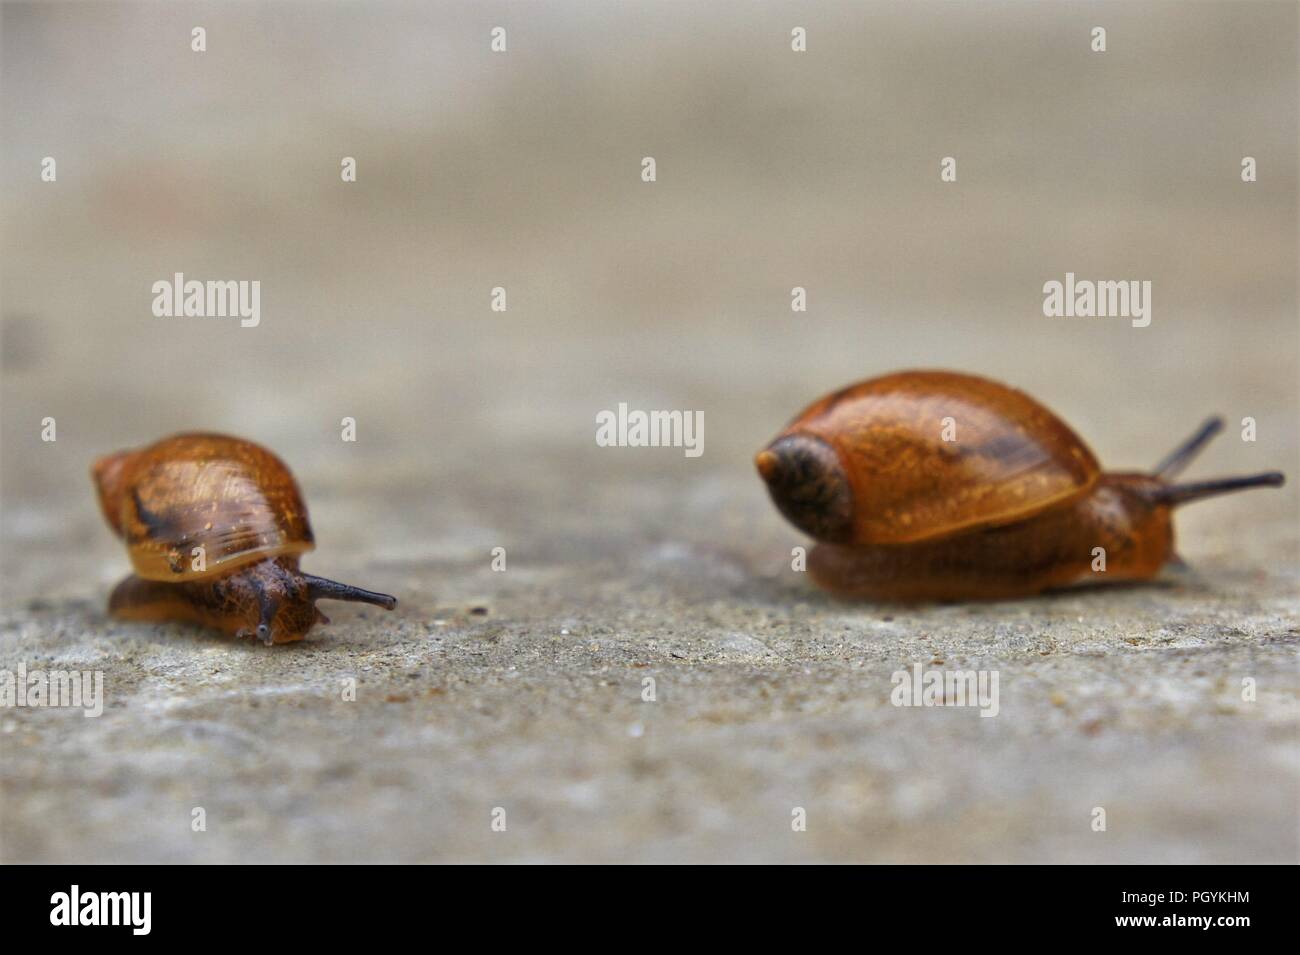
(233,498)
(869,464)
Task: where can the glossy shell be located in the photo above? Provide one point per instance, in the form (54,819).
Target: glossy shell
(233,498)
(1011,457)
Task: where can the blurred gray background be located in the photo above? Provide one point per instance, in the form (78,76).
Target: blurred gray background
(476,428)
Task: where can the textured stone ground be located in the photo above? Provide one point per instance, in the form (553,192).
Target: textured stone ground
(523,689)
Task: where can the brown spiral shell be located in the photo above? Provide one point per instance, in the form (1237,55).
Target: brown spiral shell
(233,498)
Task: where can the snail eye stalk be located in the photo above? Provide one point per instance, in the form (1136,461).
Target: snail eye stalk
(1181,456)
(320,588)
(1175,494)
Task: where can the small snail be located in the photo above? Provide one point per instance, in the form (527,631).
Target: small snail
(214,526)
(1011,504)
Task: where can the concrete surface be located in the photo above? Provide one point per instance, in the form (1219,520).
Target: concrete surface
(523,689)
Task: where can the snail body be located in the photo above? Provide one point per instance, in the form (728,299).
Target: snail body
(214,527)
(934,485)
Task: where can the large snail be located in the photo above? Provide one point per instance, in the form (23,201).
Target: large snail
(933,485)
(214,526)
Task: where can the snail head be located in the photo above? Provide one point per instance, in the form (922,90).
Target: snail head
(277,602)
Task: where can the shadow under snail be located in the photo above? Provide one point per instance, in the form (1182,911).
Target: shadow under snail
(214,527)
(1011,504)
